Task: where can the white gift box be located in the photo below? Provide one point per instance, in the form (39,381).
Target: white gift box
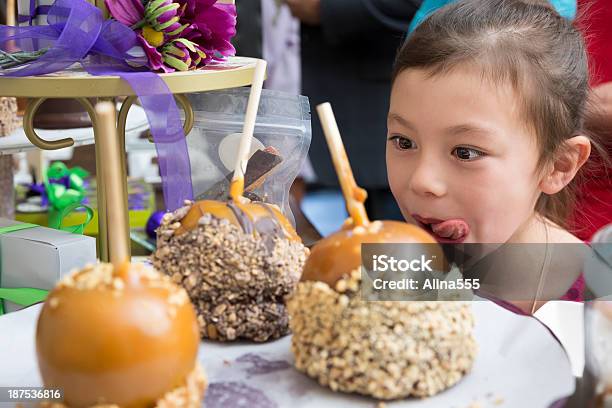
(38,257)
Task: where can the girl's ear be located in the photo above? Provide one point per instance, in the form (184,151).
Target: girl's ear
(569,159)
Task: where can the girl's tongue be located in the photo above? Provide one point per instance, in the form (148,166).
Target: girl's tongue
(454,230)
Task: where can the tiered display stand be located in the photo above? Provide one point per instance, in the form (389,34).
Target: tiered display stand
(87,89)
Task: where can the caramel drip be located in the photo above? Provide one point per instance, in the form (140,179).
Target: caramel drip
(243,219)
(236,188)
(273,228)
(356,205)
(269,227)
(251,217)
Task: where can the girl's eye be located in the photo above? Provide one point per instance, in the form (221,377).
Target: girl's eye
(467,153)
(402,143)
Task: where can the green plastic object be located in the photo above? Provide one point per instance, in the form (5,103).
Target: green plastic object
(22,296)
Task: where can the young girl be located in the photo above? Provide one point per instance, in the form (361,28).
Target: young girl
(485,125)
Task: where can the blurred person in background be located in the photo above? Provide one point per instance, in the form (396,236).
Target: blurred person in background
(266,29)
(347,49)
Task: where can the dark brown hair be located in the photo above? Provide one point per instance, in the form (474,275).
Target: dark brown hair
(527,44)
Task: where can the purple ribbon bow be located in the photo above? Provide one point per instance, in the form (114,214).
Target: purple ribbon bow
(78,33)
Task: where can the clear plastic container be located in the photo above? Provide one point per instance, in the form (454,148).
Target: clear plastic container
(283,124)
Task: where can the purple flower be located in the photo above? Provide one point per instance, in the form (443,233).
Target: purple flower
(179,34)
(213,26)
(128,12)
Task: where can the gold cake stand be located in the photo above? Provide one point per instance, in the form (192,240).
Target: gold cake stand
(87,89)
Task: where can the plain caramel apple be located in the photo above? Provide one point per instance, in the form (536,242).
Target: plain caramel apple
(124,336)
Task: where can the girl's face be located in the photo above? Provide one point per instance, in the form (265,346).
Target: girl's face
(461,161)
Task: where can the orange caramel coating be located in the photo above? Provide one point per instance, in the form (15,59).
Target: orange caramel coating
(124,337)
(220,209)
(340,253)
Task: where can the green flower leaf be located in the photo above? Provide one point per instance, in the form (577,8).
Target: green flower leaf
(176,63)
(172,50)
(155,14)
(178,30)
(153,5)
(160,27)
(191,46)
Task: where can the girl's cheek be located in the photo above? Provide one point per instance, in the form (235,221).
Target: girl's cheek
(396,172)
(395,184)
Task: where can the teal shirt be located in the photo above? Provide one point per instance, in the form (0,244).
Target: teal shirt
(567,8)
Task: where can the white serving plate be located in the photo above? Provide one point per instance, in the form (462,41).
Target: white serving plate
(519,364)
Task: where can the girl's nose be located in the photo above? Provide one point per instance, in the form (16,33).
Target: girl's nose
(426,179)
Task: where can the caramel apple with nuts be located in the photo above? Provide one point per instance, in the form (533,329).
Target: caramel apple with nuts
(119,334)
(237,262)
(384,349)
(126,336)
(237,259)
